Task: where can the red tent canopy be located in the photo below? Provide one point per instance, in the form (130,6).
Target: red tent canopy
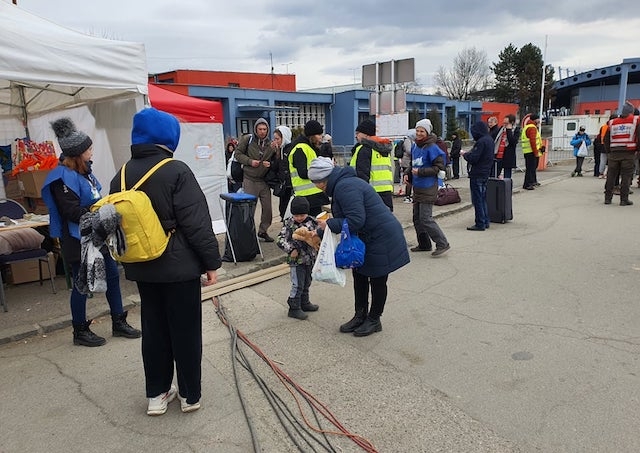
(186,108)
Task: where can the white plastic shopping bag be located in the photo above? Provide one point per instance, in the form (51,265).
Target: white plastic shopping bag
(325,269)
(583,151)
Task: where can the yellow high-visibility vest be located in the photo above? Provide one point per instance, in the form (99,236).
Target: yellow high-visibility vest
(302,187)
(381,174)
(524,139)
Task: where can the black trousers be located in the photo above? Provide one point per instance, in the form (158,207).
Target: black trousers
(285,196)
(530,162)
(361,284)
(455,166)
(171,316)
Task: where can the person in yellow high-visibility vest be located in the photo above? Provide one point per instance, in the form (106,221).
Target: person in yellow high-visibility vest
(532,149)
(303,151)
(371,158)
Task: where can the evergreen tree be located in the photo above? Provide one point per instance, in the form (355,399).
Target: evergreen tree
(518,75)
(436,121)
(452,122)
(506,75)
(414,116)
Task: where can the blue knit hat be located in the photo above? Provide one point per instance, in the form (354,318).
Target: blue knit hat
(151,126)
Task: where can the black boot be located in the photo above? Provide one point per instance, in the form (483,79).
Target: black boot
(371,325)
(305,305)
(121,328)
(83,336)
(294,309)
(355,322)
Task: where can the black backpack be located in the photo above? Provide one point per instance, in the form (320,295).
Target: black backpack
(398,149)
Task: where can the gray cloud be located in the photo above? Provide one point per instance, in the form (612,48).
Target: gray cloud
(323,41)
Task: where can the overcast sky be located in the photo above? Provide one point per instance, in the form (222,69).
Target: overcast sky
(326,42)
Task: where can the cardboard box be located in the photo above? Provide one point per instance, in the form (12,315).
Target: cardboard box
(27,271)
(31,182)
(11,186)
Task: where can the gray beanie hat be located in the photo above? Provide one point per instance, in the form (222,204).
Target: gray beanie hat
(320,168)
(627,109)
(72,141)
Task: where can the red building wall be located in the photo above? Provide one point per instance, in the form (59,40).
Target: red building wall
(599,108)
(260,81)
(498,109)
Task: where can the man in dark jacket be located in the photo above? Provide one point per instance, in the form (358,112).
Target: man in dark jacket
(481,160)
(256,154)
(456,147)
(170,286)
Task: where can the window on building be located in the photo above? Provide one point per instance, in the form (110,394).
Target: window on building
(587,112)
(234,85)
(597,111)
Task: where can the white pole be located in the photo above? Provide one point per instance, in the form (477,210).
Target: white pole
(377,88)
(544,70)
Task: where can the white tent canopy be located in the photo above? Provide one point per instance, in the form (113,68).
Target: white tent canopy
(45,67)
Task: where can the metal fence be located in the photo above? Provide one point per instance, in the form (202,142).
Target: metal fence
(342,154)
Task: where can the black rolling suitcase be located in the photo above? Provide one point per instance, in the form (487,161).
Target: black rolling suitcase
(499,192)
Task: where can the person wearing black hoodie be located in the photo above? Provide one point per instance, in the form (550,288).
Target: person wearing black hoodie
(255,153)
(480,158)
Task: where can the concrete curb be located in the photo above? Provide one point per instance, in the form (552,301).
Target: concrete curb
(23,331)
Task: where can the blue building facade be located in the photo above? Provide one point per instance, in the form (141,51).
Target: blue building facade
(340,111)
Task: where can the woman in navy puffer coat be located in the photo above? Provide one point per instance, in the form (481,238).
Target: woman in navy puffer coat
(372,221)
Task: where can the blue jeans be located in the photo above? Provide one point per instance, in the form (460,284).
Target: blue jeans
(78,301)
(478,188)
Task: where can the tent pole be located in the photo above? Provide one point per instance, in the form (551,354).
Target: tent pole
(23,101)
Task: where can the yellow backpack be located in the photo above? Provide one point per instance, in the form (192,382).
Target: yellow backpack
(146,240)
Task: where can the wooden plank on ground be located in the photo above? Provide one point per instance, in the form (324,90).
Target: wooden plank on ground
(244,281)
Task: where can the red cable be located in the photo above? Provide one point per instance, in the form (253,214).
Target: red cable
(287,381)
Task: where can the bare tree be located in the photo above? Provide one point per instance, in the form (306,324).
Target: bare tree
(410,87)
(470,73)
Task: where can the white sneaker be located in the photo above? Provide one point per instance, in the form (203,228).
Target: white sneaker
(408,200)
(158,404)
(186,407)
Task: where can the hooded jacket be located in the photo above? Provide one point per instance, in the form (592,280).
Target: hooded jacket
(481,155)
(407,144)
(368,218)
(286,135)
(283,158)
(577,140)
(252,148)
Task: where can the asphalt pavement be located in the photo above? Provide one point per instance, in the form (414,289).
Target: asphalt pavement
(523,337)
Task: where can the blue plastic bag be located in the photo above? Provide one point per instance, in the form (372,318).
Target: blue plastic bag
(350,250)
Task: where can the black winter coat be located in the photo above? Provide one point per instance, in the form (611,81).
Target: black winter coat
(509,157)
(370,219)
(180,204)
